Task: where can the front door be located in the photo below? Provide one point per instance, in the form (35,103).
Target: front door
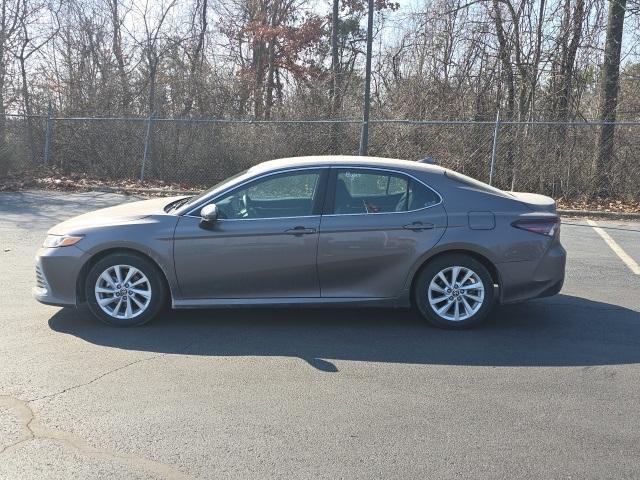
(264,244)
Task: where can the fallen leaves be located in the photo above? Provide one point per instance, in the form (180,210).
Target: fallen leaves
(54,179)
(599,205)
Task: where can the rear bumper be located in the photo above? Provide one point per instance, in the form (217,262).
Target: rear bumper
(57,271)
(535,278)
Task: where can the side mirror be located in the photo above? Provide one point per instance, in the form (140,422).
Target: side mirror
(209,215)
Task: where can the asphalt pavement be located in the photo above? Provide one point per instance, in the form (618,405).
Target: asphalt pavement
(546,389)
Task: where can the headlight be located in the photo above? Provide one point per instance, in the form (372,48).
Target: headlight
(53,241)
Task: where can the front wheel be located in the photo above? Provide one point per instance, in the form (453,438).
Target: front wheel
(125,290)
(454,291)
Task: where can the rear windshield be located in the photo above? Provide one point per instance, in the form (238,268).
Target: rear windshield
(477,184)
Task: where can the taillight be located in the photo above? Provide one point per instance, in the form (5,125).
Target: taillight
(543,226)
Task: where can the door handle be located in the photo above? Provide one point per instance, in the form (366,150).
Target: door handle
(300,230)
(418,226)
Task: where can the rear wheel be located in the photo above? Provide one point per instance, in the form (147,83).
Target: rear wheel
(125,290)
(454,291)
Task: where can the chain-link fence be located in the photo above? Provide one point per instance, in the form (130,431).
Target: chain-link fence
(552,158)
(22,142)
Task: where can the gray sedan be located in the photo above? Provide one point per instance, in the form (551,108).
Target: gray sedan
(351,231)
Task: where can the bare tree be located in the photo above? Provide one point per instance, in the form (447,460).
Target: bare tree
(270,40)
(609,87)
(32,38)
(155,42)
(118,53)
(10,14)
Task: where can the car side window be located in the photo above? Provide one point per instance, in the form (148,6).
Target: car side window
(420,196)
(370,191)
(282,195)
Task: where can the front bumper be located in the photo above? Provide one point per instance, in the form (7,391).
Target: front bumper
(57,271)
(535,278)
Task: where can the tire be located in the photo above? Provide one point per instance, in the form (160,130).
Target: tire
(131,306)
(441,301)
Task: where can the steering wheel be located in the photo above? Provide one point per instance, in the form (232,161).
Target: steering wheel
(248,205)
(369,207)
(237,207)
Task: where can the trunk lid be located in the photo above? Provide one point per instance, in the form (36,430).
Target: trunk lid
(536,202)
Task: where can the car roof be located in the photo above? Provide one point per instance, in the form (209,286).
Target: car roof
(344,160)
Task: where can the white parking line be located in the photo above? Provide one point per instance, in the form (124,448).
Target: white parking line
(617,249)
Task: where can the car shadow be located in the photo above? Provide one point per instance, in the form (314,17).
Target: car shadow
(556,331)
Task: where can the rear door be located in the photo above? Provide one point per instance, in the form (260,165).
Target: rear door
(377,224)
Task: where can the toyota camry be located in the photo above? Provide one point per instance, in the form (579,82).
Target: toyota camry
(324,230)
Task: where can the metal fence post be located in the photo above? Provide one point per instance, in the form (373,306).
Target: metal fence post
(47,135)
(496,132)
(147,140)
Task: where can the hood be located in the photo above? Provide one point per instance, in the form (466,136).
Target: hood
(119,214)
(537,202)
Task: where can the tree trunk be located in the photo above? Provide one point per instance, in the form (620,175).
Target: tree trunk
(504,53)
(153,72)
(3,120)
(259,64)
(271,52)
(335,87)
(157,169)
(197,58)
(563,93)
(8,27)
(569,58)
(335,60)
(268,103)
(258,81)
(609,96)
(26,99)
(117,51)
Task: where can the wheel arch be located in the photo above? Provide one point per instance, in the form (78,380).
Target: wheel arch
(480,257)
(84,270)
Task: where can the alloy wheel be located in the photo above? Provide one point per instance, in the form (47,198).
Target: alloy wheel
(123,291)
(456,293)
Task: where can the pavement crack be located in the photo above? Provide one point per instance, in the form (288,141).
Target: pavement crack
(95,379)
(25,417)
(32,429)
(184,349)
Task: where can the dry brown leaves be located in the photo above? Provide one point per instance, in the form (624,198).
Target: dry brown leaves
(599,205)
(54,179)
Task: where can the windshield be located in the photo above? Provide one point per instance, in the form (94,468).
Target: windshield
(218,186)
(472,182)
